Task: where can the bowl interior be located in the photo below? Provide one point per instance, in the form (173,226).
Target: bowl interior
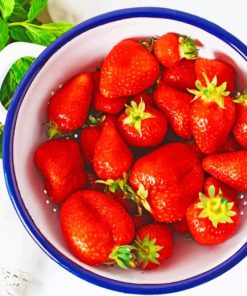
(84,53)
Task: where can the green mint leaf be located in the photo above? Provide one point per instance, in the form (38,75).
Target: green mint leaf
(19,34)
(57,28)
(4,33)
(6,8)
(37,6)
(20,12)
(1,138)
(39,36)
(13,78)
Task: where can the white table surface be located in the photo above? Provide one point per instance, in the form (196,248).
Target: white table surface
(50,279)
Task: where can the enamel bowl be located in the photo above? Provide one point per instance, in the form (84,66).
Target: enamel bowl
(82,49)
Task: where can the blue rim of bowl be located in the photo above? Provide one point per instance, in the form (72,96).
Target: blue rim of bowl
(48,248)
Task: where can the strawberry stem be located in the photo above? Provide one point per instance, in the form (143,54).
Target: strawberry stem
(215,207)
(241,98)
(211,92)
(187,48)
(139,197)
(136,113)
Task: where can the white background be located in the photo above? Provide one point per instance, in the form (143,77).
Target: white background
(50,279)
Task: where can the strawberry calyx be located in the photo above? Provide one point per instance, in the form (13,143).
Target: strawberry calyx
(53,131)
(211,92)
(215,207)
(135,114)
(124,256)
(139,197)
(187,48)
(147,251)
(241,98)
(94,120)
(149,44)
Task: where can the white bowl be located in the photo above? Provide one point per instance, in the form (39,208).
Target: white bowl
(82,49)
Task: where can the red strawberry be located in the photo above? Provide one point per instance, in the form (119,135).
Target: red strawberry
(227,192)
(230,145)
(213,67)
(176,106)
(88,139)
(212,219)
(172,177)
(181,226)
(107,105)
(142,125)
(68,108)
(61,163)
(128,69)
(90,229)
(112,156)
(154,245)
(229,168)
(193,146)
(212,115)
(171,48)
(181,75)
(240,126)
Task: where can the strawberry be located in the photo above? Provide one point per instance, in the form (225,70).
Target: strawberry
(181,75)
(230,145)
(88,139)
(228,193)
(212,115)
(142,125)
(229,168)
(90,229)
(103,104)
(212,219)
(171,177)
(170,48)
(154,245)
(176,106)
(193,146)
(213,67)
(240,126)
(128,69)
(61,163)
(68,108)
(109,149)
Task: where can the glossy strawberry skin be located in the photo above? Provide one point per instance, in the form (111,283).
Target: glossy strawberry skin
(112,156)
(103,104)
(61,163)
(213,67)
(87,221)
(88,139)
(203,230)
(240,126)
(230,168)
(181,75)
(128,69)
(176,107)
(69,106)
(153,130)
(173,176)
(164,238)
(166,49)
(211,124)
(228,192)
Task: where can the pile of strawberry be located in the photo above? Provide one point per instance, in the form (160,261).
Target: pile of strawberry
(151,143)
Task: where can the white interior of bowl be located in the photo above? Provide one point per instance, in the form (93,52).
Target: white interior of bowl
(83,54)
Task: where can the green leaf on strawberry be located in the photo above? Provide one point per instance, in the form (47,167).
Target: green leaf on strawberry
(124,256)
(215,207)
(187,48)
(136,113)
(210,93)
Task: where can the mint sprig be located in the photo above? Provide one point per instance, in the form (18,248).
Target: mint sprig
(18,22)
